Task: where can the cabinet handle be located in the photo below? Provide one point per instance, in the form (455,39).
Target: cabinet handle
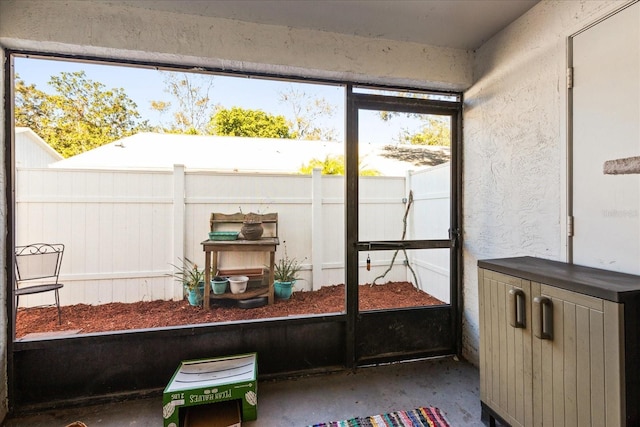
(543,318)
(517,310)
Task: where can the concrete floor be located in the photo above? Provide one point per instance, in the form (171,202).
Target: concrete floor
(446,383)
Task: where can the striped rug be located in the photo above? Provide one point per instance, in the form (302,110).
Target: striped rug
(421,417)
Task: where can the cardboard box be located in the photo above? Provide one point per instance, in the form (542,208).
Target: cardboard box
(221,414)
(205,382)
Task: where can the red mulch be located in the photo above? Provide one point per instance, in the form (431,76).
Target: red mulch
(120,316)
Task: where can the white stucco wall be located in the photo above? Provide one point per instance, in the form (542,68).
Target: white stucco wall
(98,28)
(515,145)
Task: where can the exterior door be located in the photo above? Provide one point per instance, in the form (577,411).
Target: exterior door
(418,246)
(606,143)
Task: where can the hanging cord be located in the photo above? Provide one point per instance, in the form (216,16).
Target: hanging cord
(404,251)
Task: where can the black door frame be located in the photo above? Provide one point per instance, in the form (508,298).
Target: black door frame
(355,333)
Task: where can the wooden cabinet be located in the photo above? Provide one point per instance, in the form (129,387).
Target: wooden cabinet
(558,344)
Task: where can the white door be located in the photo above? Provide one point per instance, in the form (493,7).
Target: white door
(606,128)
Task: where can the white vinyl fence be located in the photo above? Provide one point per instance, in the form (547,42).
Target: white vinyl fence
(123,229)
(429,219)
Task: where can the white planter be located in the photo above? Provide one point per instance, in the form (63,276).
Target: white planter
(238,284)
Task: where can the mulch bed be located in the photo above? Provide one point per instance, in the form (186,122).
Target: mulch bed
(83,318)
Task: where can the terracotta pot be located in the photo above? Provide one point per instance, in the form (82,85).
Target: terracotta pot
(252,230)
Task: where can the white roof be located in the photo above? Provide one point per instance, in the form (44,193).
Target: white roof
(226,153)
(32,151)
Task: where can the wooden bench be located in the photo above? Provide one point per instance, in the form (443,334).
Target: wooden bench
(268,244)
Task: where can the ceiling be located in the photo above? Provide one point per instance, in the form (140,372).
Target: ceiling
(460,24)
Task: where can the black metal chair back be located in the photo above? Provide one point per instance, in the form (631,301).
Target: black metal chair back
(37,271)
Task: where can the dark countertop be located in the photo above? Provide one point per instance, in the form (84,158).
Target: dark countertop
(608,285)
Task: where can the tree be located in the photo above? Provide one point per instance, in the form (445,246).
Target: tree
(307,112)
(436,129)
(191,92)
(333,165)
(238,121)
(32,109)
(80,115)
(435,132)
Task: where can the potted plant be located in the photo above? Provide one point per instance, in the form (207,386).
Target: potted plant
(252,226)
(285,274)
(192,279)
(219,285)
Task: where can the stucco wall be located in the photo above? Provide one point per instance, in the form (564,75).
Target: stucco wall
(515,144)
(97,28)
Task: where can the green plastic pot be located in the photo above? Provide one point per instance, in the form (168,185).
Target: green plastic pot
(283,290)
(194,296)
(219,287)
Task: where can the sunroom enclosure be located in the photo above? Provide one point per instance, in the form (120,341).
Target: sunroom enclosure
(134,362)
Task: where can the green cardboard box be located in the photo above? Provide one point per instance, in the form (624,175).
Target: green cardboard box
(220,414)
(206,381)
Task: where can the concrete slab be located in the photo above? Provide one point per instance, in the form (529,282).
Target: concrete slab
(449,384)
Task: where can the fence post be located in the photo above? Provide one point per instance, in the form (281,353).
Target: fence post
(178,223)
(316,229)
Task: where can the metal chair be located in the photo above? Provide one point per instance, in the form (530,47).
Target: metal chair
(37,271)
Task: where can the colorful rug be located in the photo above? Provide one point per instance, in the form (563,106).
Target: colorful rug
(421,417)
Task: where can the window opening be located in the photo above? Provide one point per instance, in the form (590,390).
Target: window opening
(415,94)
(250,146)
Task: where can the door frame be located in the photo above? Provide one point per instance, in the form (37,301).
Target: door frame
(355,327)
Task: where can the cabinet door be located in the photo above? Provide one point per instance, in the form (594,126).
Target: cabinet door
(577,370)
(505,350)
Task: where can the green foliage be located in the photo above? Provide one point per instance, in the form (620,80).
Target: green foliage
(32,109)
(286,269)
(436,132)
(80,115)
(333,165)
(188,274)
(238,121)
(307,112)
(369,172)
(193,104)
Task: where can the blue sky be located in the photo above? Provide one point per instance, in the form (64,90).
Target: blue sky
(144,85)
